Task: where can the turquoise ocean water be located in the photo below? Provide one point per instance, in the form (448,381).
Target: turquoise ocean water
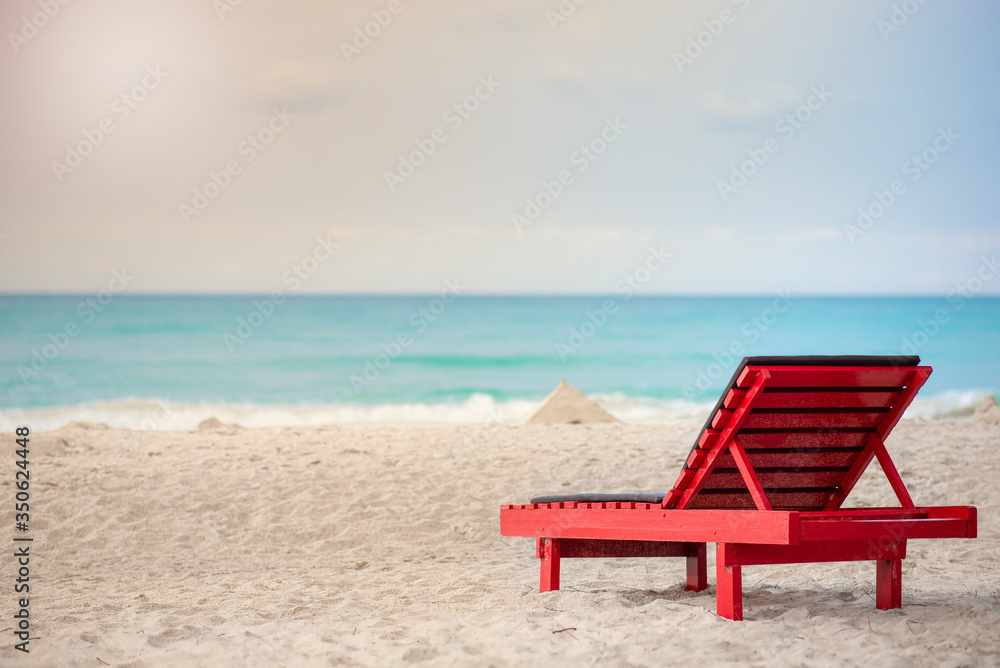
(167,362)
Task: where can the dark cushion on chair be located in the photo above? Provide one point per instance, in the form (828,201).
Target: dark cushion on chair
(600,498)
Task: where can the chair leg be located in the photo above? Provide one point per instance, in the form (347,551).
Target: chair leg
(888,584)
(550,552)
(697,568)
(728,586)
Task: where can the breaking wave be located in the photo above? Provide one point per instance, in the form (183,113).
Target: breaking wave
(150,414)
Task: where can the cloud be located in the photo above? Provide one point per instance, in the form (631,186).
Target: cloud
(720,233)
(341,233)
(758,104)
(304,85)
(810,235)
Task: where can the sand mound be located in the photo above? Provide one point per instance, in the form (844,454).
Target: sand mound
(86,425)
(988,411)
(568,405)
(214,424)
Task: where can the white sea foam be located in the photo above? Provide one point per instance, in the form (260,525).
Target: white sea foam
(147,414)
(950,403)
(157,415)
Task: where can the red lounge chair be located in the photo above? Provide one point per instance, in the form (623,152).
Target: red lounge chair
(765,481)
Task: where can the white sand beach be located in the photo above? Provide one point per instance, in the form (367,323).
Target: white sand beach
(379,545)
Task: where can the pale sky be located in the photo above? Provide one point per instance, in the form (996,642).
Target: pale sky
(610,75)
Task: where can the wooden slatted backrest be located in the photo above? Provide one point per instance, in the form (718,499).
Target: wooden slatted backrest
(804,428)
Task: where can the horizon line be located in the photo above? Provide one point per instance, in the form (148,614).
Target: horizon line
(537,295)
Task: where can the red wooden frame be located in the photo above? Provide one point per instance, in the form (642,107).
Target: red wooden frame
(553,550)
(774,417)
(876,446)
(722,443)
